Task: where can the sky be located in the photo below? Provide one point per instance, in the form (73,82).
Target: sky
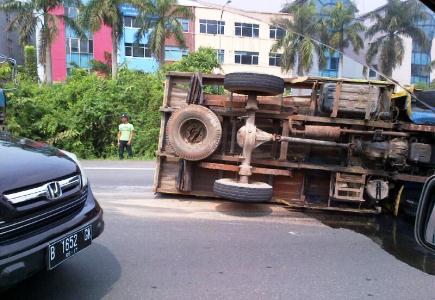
(276,5)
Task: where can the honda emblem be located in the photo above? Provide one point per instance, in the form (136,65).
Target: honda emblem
(54,191)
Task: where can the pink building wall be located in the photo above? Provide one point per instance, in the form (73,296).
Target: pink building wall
(102,44)
(58,49)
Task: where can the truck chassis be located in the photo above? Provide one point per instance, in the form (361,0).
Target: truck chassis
(354,155)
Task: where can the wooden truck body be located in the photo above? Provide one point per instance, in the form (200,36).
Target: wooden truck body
(361,147)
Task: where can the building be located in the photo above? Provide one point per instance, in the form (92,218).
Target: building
(138,57)
(415,65)
(9,41)
(69,51)
(332,59)
(242,39)
(414,68)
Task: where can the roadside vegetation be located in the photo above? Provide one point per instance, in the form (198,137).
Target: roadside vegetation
(81,115)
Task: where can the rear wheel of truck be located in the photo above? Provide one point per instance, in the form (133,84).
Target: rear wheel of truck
(194,132)
(253,83)
(242,192)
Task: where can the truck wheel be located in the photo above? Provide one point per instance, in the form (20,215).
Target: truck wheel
(242,192)
(252,83)
(194,132)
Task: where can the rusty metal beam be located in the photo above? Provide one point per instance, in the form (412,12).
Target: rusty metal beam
(234,168)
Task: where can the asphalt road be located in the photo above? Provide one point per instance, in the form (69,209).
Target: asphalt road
(182,248)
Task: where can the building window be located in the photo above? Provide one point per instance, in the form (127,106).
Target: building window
(74,45)
(83,46)
(333,63)
(211,27)
(246,58)
(184,24)
(246,29)
(71,12)
(175,53)
(276,32)
(420,79)
(131,22)
(275,59)
(220,55)
(137,50)
(372,73)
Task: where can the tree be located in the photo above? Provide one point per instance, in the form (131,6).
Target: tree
(105,12)
(395,21)
(204,60)
(31,14)
(344,29)
(298,44)
(159,20)
(30,62)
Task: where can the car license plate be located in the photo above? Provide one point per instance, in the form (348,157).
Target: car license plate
(65,247)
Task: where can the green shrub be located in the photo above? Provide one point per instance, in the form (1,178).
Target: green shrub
(82,114)
(30,62)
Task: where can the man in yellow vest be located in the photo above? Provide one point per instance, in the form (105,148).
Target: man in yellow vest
(125,136)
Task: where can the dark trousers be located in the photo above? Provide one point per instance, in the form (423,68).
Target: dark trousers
(122,146)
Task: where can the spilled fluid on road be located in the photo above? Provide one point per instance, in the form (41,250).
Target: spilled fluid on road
(394,235)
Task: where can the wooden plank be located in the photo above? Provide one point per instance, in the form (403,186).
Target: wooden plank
(166,93)
(255,170)
(416,127)
(284,145)
(336,99)
(347,189)
(412,178)
(362,211)
(313,100)
(307,166)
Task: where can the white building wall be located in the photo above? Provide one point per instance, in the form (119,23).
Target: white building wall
(231,43)
(402,74)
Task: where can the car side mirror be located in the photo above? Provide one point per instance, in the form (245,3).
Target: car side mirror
(2,107)
(425,218)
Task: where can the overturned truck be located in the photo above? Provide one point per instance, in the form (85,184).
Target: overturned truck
(311,142)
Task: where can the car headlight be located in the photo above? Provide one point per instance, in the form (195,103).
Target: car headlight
(82,170)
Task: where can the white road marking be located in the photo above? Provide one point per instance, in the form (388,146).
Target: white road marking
(116,168)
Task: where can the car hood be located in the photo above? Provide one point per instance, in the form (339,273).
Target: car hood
(24,163)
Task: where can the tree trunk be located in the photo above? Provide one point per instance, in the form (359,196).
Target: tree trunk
(340,65)
(299,68)
(162,56)
(48,65)
(114,55)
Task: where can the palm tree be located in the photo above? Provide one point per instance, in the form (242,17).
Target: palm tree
(344,29)
(396,21)
(159,19)
(31,14)
(298,43)
(105,12)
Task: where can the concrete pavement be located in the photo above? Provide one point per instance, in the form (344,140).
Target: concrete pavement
(170,247)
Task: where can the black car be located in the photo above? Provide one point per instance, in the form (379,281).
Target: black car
(47,210)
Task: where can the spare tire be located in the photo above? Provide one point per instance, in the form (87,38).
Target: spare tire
(194,132)
(242,192)
(253,83)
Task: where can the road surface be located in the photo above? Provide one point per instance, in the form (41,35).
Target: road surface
(165,247)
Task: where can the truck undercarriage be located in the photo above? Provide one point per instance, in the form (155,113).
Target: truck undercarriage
(311,142)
